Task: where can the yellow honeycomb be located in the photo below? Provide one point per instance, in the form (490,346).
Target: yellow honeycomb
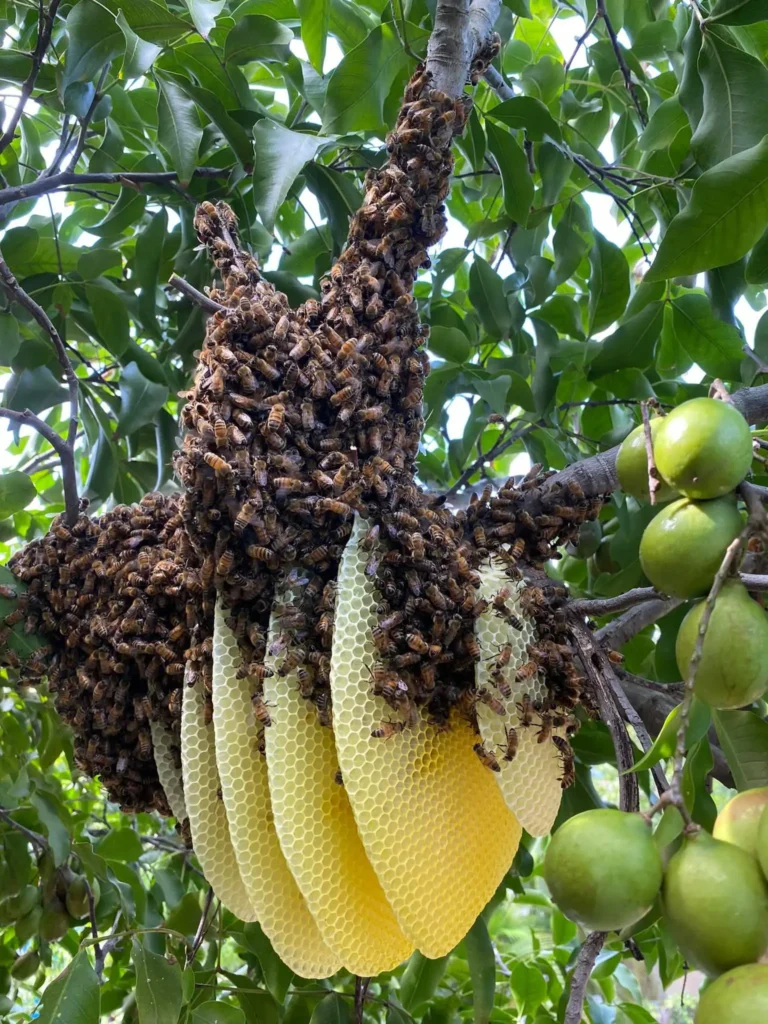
(319,837)
(167,772)
(531,782)
(207,817)
(272,889)
(432,820)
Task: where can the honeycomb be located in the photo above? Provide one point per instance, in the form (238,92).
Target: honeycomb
(207,817)
(272,889)
(530,783)
(431,818)
(168,771)
(319,836)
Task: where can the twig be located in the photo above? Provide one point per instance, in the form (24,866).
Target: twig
(585,963)
(582,39)
(497,83)
(45,24)
(626,74)
(750,352)
(654,480)
(718,390)
(361,991)
(632,622)
(53,182)
(632,717)
(65,449)
(34,837)
(86,120)
(203,926)
(609,605)
(98,953)
(493,453)
(204,301)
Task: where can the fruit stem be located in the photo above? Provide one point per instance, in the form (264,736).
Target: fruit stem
(654,480)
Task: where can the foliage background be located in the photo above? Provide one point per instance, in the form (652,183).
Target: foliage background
(541,315)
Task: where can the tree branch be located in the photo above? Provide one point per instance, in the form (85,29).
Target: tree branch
(585,963)
(618,632)
(609,605)
(460,30)
(654,480)
(497,83)
(86,120)
(204,301)
(625,72)
(33,837)
(45,25)
(66,449)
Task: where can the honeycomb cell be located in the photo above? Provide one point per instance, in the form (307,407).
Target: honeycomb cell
(530,783)
(431,818)
(319,837)
(272,889)
(168,772)
(205,809)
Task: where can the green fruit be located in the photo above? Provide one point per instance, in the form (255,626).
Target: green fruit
(738,821)
(632,464)
(28,898)
(682,547)
(5,980)
(733,670)
(603,869)
(55,921)
(77,897)
(738,997)
(26,965)
(716,904)
(704,448)
(27,926)
(762,842)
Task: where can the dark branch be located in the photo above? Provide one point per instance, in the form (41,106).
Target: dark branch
(618,632)
(201,300)
(33,837)
(585,963)
(610,605)
(625,72)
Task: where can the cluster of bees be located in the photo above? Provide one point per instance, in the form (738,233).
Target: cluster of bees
(121,606)
(297,420)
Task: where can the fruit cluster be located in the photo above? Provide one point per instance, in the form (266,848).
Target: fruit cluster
(711,891)
(702,452)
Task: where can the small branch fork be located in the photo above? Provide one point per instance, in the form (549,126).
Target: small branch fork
(64,447)
(654,479)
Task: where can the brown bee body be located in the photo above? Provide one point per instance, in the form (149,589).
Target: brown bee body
(486,758)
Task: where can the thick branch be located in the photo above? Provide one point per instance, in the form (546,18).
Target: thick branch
(45,24)
(66,450)
(585,963)
(497,83)
(461,28)
(618,632)
(611,605)
(41,186)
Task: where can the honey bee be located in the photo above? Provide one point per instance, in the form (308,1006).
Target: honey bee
(174,702)
(486,697)
(224,564)
(218,382)
(511,743)
(545,729)
(387,730)
(261,710)
(526,711)
(218,464)
(7,592)
(486,758)
(276,416)
(569,766)
(526,671)
(338,508)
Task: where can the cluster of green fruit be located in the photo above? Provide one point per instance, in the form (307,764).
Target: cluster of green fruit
(703,451)
(44,912)
(605,872)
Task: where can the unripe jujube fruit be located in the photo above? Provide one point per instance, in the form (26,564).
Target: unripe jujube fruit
(762,842)
(603,869)
(682,547)
(738,821)
(26,965)
(632,464)
(733,670)
(738,997)
(703,448)
(716,904)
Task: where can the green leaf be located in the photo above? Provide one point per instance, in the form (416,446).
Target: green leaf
(102,469)
(216,1013)
(121,844)
(486,293)
(50,814)
(34,389)
(9,339)
(698,766)
(256,37)
(146,264)
(528,987)
(178,128)
(149,19)
(16,492)
(743,737)
(666,122)
(716,346)
(756,270)
(739,12)
(726,215)
(664,745)
(731,122)
(235,135)
(315,18)
(94,40)
(158,987)
(482,970)
(360,84)
(608,284)
(632,343)
(140,54)
(420,980)
(332,1009)
(516,179)
(140,399)
(338,196)
(280,157)
(277,976)
(73,997)
(204,14)
(529,113)
(450,343)
(111,318)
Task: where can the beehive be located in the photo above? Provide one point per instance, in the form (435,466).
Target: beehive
(205,809)
(530,783)
(168,772)
(431,818)
(319,837)
(272,890)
